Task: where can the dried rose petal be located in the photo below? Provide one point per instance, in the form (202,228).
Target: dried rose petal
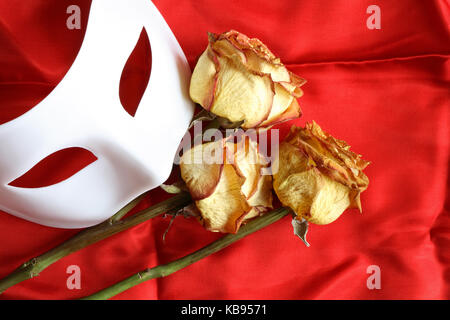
(229,193)
(319,177)
(240,79)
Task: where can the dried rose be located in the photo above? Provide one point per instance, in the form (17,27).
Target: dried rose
(225,180)
(318,176)
(239,79)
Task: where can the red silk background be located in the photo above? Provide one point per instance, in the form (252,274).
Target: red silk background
(386,92)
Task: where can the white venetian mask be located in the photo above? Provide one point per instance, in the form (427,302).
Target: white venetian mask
(134,154)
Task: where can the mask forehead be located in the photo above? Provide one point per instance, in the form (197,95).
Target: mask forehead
(134,154)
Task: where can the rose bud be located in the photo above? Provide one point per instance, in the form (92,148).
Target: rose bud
(318,176)
(241,80)
(225,180)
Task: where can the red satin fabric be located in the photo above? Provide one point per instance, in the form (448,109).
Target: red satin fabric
(386,92)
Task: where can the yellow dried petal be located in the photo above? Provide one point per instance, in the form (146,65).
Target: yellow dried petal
(298,190)
(224,48)
(241,96)
(241,80)
(318,176)
(329,203)
(199,171)
(332,156)
(223,208)
(247,163)
(314,196)
(203,81)
(262,197)
(290,160)
(278,73)
(282,100)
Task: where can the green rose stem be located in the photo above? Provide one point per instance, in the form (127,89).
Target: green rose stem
(92,235)
(167,269)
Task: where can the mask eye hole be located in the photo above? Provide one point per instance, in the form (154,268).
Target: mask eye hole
(136,75)
(55,168)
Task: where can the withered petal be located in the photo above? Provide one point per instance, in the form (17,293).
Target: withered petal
(223,208)
(332,156)
(200,175)
(242,96)
(261,89)
(230,193)
(318,176)
(204,80)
